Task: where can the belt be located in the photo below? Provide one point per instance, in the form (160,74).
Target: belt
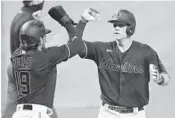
(34,107)
(121,109)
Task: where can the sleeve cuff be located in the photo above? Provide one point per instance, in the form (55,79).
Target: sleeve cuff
(86,50)
(68,51)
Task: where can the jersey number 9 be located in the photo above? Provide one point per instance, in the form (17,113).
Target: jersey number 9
(22,82)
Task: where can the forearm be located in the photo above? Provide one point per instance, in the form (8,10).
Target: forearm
(75,31)
(87,16)
(71,30)
(80,28)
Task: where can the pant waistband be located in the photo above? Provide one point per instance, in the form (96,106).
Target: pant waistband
(122,109)
(34,107)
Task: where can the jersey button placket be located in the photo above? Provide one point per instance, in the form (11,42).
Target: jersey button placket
(121,80)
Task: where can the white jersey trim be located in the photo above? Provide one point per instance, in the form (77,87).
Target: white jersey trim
(86,50)
(68,51)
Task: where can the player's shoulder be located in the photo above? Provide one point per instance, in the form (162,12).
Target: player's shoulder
(40,59)
(95,44)
(144,46)
(49,52)
(18,52)
(103,46)
(141,45)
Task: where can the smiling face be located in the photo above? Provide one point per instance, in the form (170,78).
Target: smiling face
(120,30)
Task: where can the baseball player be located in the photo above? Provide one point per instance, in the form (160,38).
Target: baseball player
(30,10)
(36,85)
(125,67)
(34,70)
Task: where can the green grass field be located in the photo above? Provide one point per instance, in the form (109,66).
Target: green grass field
(77,91)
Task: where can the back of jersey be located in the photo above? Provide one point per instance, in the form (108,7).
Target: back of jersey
(34,83)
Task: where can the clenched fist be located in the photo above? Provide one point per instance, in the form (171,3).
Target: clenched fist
(90,15)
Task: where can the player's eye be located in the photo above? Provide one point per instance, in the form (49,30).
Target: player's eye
(119,25)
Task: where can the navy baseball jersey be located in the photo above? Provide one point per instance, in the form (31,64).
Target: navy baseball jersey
(124,77)
(22,17)
(35,73)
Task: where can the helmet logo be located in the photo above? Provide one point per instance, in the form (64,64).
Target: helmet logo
(119,14)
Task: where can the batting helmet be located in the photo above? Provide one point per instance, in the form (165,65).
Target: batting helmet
(31,32)
(125,16)
(29,3)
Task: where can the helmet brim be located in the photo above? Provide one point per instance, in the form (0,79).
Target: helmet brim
(111,21)
(118,20)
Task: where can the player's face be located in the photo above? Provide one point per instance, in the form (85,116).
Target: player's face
(120,30)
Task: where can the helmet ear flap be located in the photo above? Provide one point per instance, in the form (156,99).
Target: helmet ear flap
(27,41)
(23,39)
(130,30)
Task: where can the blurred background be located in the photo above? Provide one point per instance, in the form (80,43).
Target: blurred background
(77,91)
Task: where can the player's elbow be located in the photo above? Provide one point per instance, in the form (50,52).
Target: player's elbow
(76,46)
(82,54)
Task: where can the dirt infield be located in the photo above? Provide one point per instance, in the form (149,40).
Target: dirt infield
(77,91)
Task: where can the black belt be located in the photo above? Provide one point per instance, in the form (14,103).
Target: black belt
(121,109)
(27,107)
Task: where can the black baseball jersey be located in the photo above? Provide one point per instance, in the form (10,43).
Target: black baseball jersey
(22,17)
(34,72)
(124,77)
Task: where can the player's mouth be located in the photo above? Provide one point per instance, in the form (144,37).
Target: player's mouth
(116,33)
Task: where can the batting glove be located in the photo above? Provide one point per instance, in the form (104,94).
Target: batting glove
(90,15)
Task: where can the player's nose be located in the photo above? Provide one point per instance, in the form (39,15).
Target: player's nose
(116,29)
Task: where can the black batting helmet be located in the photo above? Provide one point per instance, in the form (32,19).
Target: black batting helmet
(31,32)
(38,3)
(125,16)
